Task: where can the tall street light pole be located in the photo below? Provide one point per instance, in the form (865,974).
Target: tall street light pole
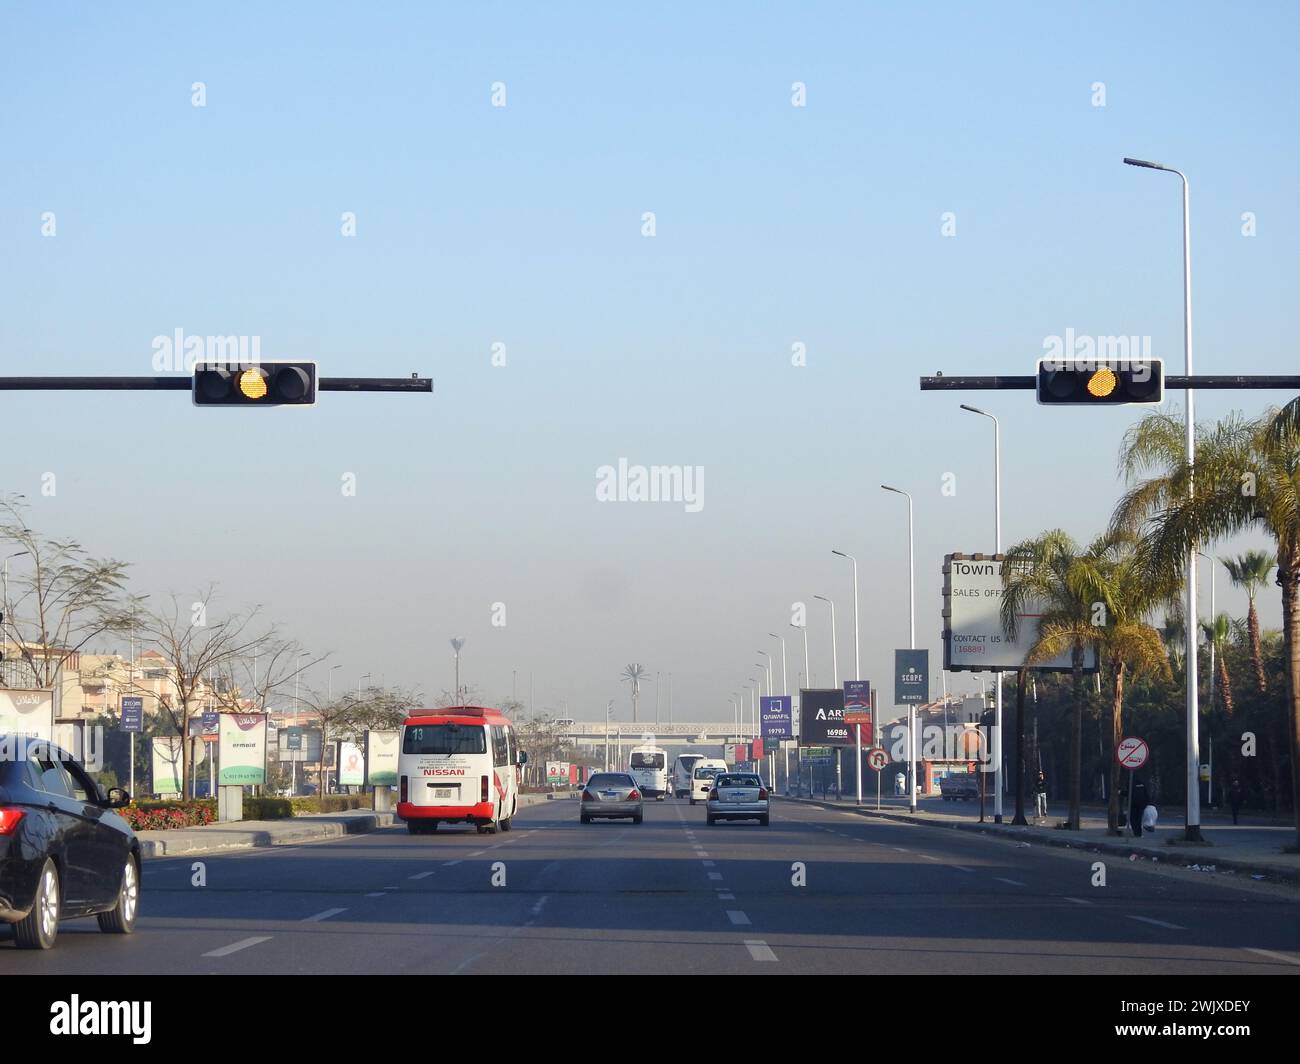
(797,723)
(997,549)
(329,683)
(857,644)
(835,657)
(768,667)
(1193,829)
(911,640)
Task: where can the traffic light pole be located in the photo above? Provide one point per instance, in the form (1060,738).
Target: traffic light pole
(412,383)
(1210,382)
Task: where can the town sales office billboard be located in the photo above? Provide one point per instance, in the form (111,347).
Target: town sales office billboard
(973,637)
(382,748)
(29,714)
(242,757)
(821,718)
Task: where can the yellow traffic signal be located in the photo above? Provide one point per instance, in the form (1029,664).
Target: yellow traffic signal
(263,384)
(1088,382)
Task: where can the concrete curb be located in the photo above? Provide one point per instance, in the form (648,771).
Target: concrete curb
(225,838)
(1174,858)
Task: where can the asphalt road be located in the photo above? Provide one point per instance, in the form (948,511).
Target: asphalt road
(676,896)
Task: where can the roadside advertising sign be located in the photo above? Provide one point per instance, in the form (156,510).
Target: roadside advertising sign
(821,714)
(132,713)
(242,756)
(777,719)
(382,748)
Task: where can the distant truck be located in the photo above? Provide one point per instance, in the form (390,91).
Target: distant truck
(963,787)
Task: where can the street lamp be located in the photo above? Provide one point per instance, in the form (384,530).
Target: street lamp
(1193,829)
(329,683)
(911,640)
(857,645)
(997,549)
(365,676)
(835,657)
(769,671)
(456,644)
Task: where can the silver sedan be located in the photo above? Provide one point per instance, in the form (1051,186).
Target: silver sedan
(737,796)
(611,796)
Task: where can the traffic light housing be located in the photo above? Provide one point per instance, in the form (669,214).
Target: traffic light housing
(1098,382)
(255,384)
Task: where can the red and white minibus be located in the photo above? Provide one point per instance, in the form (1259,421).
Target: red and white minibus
(460,765)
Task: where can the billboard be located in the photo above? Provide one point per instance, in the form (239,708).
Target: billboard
(973,638)
(242,749)
(821,718)
(911,677)
(27,713)
(382,748)
(557,772)
(166,758)
(777,719)
(132,713)
(299,744)
(352,764)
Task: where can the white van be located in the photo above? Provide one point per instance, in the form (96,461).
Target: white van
(458,766)
(682,769)
(702,777)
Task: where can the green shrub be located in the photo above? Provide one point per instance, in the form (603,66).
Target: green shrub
(332,803)
(151,815)
(267,808)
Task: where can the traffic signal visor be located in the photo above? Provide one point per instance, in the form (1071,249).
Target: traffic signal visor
(1066,382)
(263,384)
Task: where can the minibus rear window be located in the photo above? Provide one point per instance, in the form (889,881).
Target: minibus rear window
(444,739)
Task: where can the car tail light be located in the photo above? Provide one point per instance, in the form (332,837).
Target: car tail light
(402,796)
(587,796)
(713,795)
(762,793)
(482,791)
(633,796)
(9,820)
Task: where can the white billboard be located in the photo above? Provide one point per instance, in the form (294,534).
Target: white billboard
(973,637)
(382,748)
(242,757)
(352,764)
(166,758)
(29,714)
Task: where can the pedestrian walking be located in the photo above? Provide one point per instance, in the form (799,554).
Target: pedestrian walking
(1040,797)
(1234,797)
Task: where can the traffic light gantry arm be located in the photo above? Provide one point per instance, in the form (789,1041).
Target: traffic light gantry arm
(1209,382)
(412,383)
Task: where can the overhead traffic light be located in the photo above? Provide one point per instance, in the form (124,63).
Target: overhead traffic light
(1090,382)
(260,384)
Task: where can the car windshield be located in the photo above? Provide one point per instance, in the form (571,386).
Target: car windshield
(444,739)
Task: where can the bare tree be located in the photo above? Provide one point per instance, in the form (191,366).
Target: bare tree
(59,600)
(192,648)
(350,715)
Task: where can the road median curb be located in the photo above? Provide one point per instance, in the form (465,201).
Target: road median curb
(1173,859)
(257,834)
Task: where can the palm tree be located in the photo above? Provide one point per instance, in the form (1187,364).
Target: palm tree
(1245,480)
(634,674)
(1250,571)
(1044,573)
(1217,632)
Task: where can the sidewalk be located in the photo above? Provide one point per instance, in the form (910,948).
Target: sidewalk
(256,834)
(1254,847)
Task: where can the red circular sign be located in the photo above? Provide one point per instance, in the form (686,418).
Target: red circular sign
(877,758)
(1132,752)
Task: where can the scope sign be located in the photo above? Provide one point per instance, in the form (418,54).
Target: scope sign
(1132,752)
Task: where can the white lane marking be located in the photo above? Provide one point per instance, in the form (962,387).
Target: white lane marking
(737,917)
(377,894)
(963,868)
(1081,901)
(1009,882)
(702,853)
(726,897)
(1157,923)
(421,875)
(759,950)
(1270,953)
(928,857)
(449,864)
(477,853)
(541,902)
(707,864)
(715,875)
(901,849)
(235,947)
(324,914)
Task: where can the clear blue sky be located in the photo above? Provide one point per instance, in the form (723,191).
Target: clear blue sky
(522,225)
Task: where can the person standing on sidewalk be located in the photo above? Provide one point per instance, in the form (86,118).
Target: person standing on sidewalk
(1140,802)
(1234,798)
(1040,797)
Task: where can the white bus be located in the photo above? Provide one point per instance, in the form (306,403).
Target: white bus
(458,766)
(682,769)
(648,765)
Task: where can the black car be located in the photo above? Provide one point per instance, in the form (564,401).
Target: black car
(63,851)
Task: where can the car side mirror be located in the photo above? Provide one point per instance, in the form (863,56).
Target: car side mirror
(117,798)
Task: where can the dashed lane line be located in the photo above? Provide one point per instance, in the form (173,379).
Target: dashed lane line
(1157,923)
(421,875)
(235,947)
(1009,882)
(1270,953)
(737,917)
(324,914)
(759,950)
